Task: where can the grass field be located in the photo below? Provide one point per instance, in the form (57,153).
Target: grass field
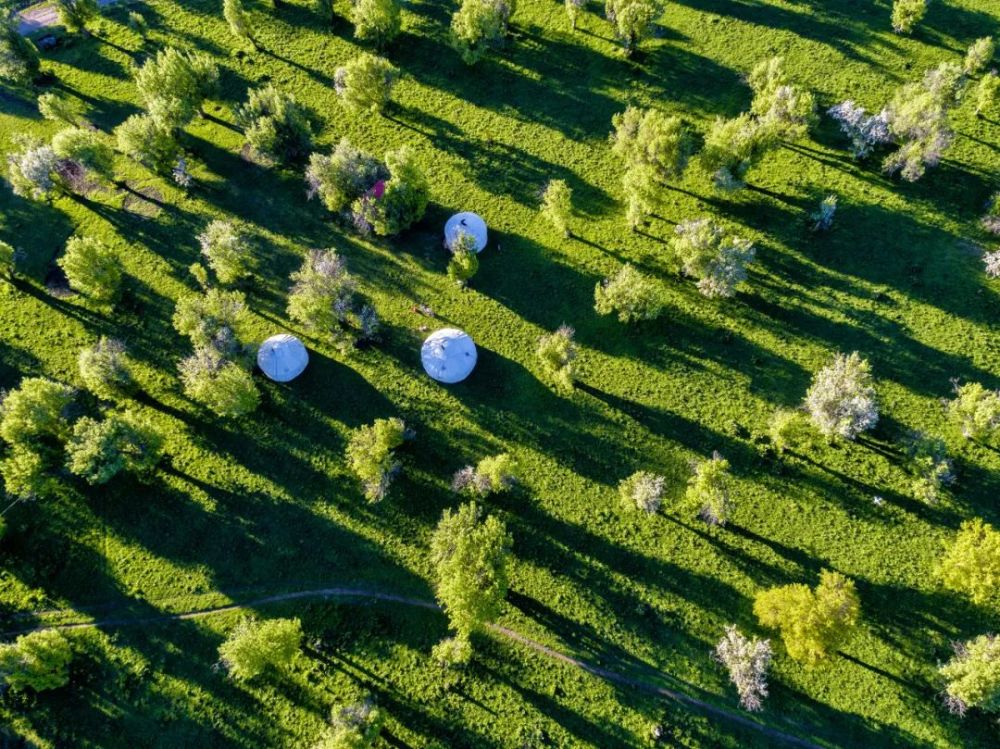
(265,504)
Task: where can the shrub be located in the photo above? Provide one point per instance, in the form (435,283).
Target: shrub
(987,93)
(257,646)
(275,124)
(979,55)
(813,623)
(464,263)
(137,22)
(906,14)
(174,84)
(632,20)
(732,147)
(38,660)
(32,169)
(866,132)
(710,489)
(104,368)
(491,475)
(643,490)
(789,430)
(227,249)
(145,140)
(92,268)
(370,456)
(8,260)
(376,21)
(452,652)
(919,123)
(404,198)
(631,294)
(822,218)
(236,17)
(557,205)
(322,295)
(37,409)
(972,676)
(59,107)
(222,386)
(365,83)
(783,109)
(975,411)
(76,14)
(354,726)
(971,564)
(841,400)
(709,253)
(469,554)
(479,26)
(931,468)
(747,661)
(99,450)
(211,320)
(24,473)
(85,148)
(557,353)
(18,56)
(342,177)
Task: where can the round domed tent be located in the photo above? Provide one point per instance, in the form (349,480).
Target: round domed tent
(282,357)
(448,355)
(468,223)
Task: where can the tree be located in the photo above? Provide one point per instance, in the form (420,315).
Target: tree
(82,152)
(631,294)
(99,450)
(813,623)
(365,83)
(469,554)
(557,354)
(104,368)
(841,400)
(239,23)
(211,320)
(222,386)
(227,249)
(918,119)
(906,14)
(732,147)
(979,55)
(971,564)
(8,260)
(275,124)
(987,93)
(654,148)
(370,455)
(975,411)
(710,488)
(322,296)
(822,217)
(712,255)
(464,263)
(59,107)
(32,169)
(479,26)
(632,20)
(404,198)
(376,21)
(784,110)
(573,8)
(790,429)
(24,472)
(92,268)
(174,84)
(930,466)
(866,132)
(353,726)
(18,56)
(36,410)
(257,646)
(643,490)
(38,660)
(343,176)
(76,14)
(747,661)
(144,139)
(557,205)
(972,676)
(493,474)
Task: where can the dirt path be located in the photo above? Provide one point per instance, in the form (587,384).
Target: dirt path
(43,15)
(375,595)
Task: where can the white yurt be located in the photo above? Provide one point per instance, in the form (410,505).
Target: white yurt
(282,357)
(448,355)
(468,223)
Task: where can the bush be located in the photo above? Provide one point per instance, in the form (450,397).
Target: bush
(211,320)
(376,21)
(104,368)
(18,56)
(92,268)
(87,149)
(275,124)
(987,93)
(354,726)
(491,475)
(222,386)
(557,354)
(784,110)
(866,132)
(59,107)
(227,249)
(710,489)
(99,450)
(365,83)
(906,14)
(38,660)
(972,676)
(479,26)
(643,490)
(841,400)
(322,296)
(631,294)
(813,623)
(919,122)
(789,430)
(747,661)
(32,169)
(632,20)
(76,14)
(971,564)
(709,253)
(557,205)
(36,410)
(469,554)
(931,468)
(370,456)
(975,411)
(24,473)
(174,84)
(143,139)
(979,55)
(236,17)
(404,199)
(732,147)
(256,646)
(464,263)
(345,175)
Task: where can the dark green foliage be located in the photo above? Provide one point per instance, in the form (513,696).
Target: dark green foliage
(38,661)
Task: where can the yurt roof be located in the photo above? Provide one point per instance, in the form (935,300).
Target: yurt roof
(469,223)
(448,355)
(282,357)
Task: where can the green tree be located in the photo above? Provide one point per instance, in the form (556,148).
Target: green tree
(496,473)
(100,450)
(979,55)
(643,490)
(785,111)
(370,455)
(710,488)
(975,411)
(972,676)
(212,320)
(87,149)
(470,558)
(632,20)
(906,14)
(228,250)
(841,400)
(59,107)
(92,268)
(930,466)
(712,255)
(813,623)
(573,8)
(239,24)
(25,472)
(971,564)
(557,354)
(480,26)
(104,368)
(76,14)
(32,169)
(174,85)
(365,83)
(36,410)
(376,21)
(144,139)
(222,386)
(18,56)
(404,199)
(353,726)
(557,205)
(8,260)
(987,93)
(464,263)
(629,293)
(38,660)
(322,298)
(344,176)
(257,646)
(275,124)
(732,147)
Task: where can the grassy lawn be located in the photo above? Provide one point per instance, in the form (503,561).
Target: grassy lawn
(265,504)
